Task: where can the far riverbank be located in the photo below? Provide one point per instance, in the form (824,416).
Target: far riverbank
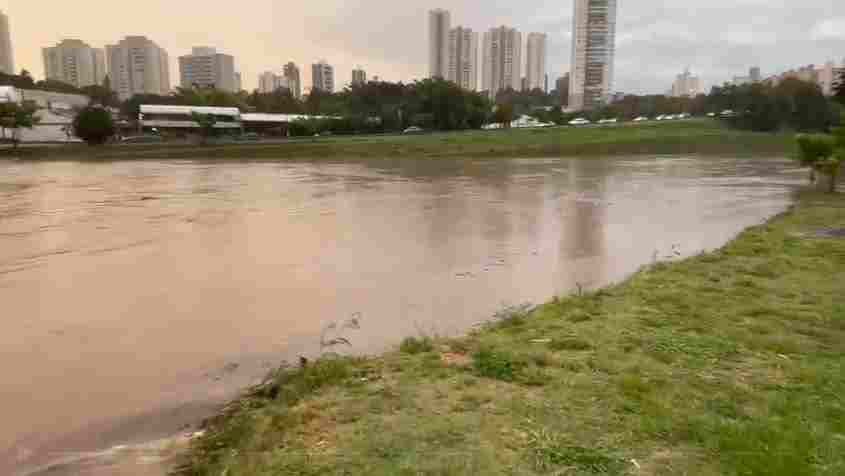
(697,137)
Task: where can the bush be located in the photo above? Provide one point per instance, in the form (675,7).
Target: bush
(94,125)
(412,345)
(496,364)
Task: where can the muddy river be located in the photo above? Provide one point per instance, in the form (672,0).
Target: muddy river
(134,296)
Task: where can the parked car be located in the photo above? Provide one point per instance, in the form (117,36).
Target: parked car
(579,122)
(728,113)
(413,129)
(711,114)
(608,121)
(145,139)
(641,119)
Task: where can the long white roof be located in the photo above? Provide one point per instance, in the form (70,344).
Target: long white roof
(263,117)
(217,111)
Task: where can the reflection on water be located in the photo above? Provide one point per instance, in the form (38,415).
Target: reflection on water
(136,286)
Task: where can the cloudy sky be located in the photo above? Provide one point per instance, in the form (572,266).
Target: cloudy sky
(656,39)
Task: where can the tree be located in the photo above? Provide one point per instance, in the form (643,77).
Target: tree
(94,125)
(15,117)
(823,153)
(504,115)
(206,123)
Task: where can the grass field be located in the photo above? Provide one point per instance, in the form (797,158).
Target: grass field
(694,136)
(728,363)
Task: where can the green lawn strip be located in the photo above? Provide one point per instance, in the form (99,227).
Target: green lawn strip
(692,137)
(728,363)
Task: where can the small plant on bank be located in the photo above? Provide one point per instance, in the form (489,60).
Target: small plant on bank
(823,154)
(413,345)
(94,125)
(496,364)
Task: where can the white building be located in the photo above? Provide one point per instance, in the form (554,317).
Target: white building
(239,82)
(535,61)
(75,62)
(439,24)
(291,73)
(7,58)
(686,85)
(827,77)
(502,60)
(207,68)
(463,58)
(269,82)
(593,50)
(359,76)
(137,65)
(322,76)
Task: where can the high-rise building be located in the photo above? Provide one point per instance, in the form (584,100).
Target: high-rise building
(322,76)
(535,61)
(359,76)
(502,59)
(827,77)
(75,63)
(593,49)
(269,82)
(239,82)
(7,58)
(562,87)
(291,72)
(136,65)
(686,85)
(753,77)
(463,58)
(206,68)
(439,24)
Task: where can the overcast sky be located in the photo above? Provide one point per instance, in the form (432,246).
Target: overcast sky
(656,39)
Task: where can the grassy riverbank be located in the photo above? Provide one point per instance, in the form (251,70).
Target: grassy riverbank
(703,137)
(731,362)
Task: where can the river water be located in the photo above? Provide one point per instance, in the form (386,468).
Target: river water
(135,295)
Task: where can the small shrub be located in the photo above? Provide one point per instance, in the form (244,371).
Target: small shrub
(413,345)
(496,364)
(579,315)
(94,125)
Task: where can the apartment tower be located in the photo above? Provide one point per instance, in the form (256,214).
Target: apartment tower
(439,24)
(322,77)
(291,73)
(463,58)
(206,68)
(136,65)
(535,61)
(7,59)
(686,85)
(359,76)
(502,60)
(75,62)
(593,49)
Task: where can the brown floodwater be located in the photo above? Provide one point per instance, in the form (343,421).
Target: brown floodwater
(136,295)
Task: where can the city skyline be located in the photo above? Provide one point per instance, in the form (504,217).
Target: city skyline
(667,37)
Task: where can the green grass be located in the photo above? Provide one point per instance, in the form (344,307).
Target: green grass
(728,363)
(689,137)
